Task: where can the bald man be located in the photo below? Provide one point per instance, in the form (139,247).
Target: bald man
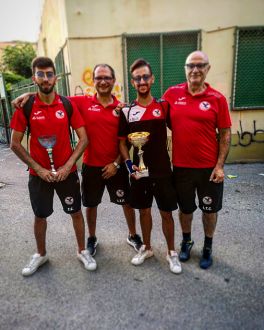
(200,124)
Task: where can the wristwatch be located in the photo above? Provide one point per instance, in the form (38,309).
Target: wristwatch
(116,165)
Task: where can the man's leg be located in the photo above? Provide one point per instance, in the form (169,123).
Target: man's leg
(78,225)
(168,229)
(40,229)
(209,223)
(146,226)
(130,216)
(185,221)
(187,243)
(83,255)
(91,216)
(39,258)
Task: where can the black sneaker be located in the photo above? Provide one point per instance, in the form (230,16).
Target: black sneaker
(135,241)
(91,245)
(206,260)
(185,252)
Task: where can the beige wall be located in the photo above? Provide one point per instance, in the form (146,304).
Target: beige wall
(53,30)
(90,32)
(112,17)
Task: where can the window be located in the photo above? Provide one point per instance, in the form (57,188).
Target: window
(166,53)
(248,77)
(62,85)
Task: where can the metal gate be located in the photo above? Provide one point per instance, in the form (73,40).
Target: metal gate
(5,113)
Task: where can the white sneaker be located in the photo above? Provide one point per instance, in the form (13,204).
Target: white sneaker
(35,261)
(173,260)
(87,260)
(143,254)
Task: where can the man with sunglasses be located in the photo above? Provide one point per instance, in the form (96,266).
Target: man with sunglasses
(200,124)
(146,114)
(48,120)
(102,165)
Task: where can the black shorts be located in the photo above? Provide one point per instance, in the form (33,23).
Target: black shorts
(41,194)
(143,190)
(93,185)
(189,181)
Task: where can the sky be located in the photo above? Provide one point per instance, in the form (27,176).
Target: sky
(20,20)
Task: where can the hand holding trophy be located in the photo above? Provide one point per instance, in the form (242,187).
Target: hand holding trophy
(139,139)
(48,142)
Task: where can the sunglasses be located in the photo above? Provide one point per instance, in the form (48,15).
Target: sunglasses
(199,66)
(101,78)
(145,78)
(42,75)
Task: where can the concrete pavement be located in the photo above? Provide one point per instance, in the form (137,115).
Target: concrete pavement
(63,295)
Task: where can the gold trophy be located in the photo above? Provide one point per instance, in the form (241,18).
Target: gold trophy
(139,139)
(48,142)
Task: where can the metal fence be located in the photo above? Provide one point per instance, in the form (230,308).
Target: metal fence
(248,75)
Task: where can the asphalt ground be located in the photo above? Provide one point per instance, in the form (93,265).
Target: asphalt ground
(118,295)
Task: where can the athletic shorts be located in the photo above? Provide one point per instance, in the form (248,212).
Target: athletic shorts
(191,181)
(143,190)
(93,186)
(41,194)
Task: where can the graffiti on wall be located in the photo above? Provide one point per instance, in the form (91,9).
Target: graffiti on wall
(245,138)
(87,78)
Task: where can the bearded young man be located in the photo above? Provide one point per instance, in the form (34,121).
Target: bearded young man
(48,119)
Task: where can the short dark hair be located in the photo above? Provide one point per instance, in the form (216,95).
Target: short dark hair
(42,62)
(104,65)
(138,64)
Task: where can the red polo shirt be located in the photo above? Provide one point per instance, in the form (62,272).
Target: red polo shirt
(194,120)
(101,127)
(48,119)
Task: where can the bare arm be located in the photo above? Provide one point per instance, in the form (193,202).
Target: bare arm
(124,149)
(64,171)
(20,101)
(21,153)
(224,144)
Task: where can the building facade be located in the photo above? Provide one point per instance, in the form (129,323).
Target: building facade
(79,34)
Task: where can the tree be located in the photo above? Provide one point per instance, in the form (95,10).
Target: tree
(10,79)
(17,59)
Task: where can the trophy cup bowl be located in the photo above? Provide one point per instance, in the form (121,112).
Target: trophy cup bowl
(48,142)
(139,139)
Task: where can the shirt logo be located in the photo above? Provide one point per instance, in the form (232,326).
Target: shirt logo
(204,106)
(38,117)
(116,113)
(69,200)
(37,113)
(181,101)
(94,108)
(59,114)
(156,113)
(207,200)
(120,193)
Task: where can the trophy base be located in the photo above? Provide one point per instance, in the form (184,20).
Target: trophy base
(142,174)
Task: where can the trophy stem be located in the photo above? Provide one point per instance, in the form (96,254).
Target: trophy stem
(49,151)
(141,164)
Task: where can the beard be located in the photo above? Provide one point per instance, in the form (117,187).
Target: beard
(46,88)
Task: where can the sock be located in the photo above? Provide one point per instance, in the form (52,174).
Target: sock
(186,237)
(208,241)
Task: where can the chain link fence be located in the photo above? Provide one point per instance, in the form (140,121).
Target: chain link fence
(248,77)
